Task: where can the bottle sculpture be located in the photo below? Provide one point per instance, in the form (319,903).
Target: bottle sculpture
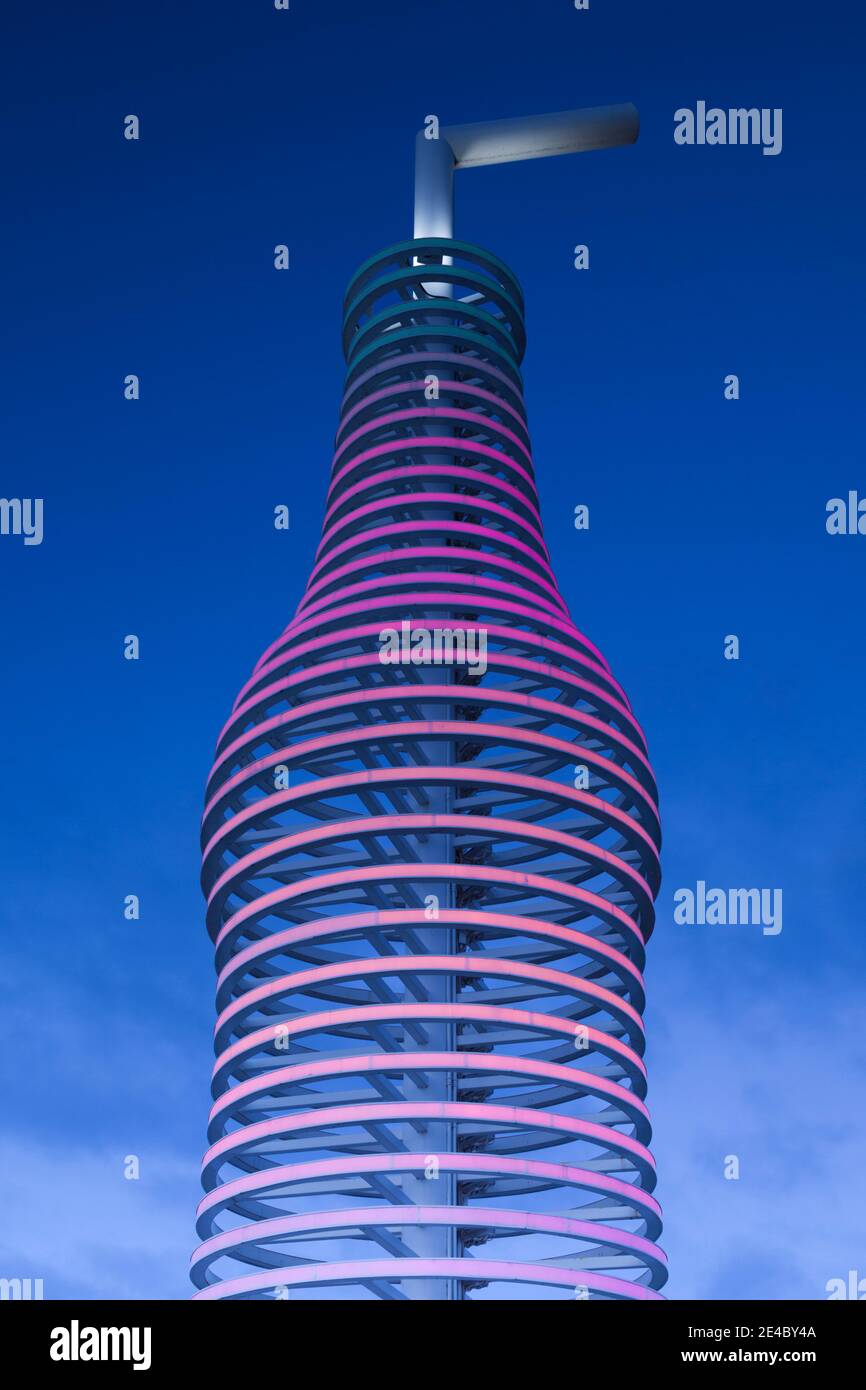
(430,844)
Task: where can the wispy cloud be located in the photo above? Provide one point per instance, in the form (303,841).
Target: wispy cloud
(774,1080)
(72,1219)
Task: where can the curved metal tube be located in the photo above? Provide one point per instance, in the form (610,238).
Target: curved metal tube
(500,142)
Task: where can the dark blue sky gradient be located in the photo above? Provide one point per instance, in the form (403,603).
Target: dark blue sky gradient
(707,518)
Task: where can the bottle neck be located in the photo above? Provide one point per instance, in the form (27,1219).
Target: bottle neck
(432,469)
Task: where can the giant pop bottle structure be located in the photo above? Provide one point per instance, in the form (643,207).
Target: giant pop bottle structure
(431,849)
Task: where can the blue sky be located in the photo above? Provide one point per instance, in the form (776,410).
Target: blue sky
(707,518)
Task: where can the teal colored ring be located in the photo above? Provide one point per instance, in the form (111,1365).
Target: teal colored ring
(512,314)
(376,327)
(467,250)
(451,335)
